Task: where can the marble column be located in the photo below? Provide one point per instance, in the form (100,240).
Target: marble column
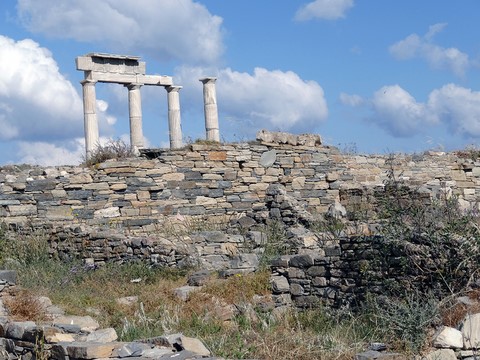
(174,119)
(135,111)
(211,111)
(90,117)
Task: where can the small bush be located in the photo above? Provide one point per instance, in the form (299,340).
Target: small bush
(404,321)
(114,149)
(25,306)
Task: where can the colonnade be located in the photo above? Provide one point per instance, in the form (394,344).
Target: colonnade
(128,71)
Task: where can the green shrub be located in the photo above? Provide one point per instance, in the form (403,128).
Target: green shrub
(404,322)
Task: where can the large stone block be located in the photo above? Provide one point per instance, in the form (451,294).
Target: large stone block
(471,331)
(17,329)
(86,323)
(90,350)
(9,276)
(448,337)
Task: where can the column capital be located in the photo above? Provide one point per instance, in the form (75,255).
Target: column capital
(207,80)
(133,86)
(88,82)
(173,88)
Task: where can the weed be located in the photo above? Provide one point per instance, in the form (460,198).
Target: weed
(113,149)
(437,243)
(276,243)
(181,226)
(471,152)
(328,227)
(25,306)
(405,321)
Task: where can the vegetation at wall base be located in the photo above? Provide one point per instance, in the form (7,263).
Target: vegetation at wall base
(436,248)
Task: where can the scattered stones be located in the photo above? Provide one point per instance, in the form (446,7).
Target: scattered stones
(199,278)
(102,336)
(84,323)
(127,300)
(377,355)
(183,292)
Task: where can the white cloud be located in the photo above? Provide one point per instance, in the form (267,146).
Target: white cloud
(180,29)
(265,99)
(36,101)
(457,107)
(438,57)
(50,154)
(324,9)
(351,99)
(397,111)
(434,29)
(67,152)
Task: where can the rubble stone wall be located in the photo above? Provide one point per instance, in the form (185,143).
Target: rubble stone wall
(121,210)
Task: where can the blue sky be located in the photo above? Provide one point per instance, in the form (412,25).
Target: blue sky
(378,75)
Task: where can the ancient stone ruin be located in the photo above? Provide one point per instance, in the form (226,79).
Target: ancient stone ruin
(131,73)
(145,209)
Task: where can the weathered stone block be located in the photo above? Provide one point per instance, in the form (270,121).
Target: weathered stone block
(302,261)
(40,185)
(9,276)
(17,329)
(217,155)
(280,284)
(448,337)
(90,350)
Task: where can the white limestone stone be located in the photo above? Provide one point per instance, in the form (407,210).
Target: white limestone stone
(471,331)
(448,337)
(442,354)
(109,212)
(103,335)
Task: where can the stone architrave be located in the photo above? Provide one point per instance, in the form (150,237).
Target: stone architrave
(119,69)
(211,111)
(174,119)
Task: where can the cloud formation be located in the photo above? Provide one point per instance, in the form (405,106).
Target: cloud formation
(324,9)
(265,99)
(41,112)
(351,99)
(396,111)
(69,152)
(36,101)
(415,46)
(179,30)
(399,113)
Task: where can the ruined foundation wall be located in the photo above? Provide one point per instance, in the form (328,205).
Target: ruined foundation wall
(121,210)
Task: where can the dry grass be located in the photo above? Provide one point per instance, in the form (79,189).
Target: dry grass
(245,334)
(453,314)
(24,305)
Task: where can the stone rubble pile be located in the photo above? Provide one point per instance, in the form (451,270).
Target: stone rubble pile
(80,337)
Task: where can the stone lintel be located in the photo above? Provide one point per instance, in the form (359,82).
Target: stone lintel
(107,77)
(112,64)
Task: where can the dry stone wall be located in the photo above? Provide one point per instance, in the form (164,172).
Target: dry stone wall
(147,208)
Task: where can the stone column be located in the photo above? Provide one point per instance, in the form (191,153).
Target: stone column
(174,119)
(90,117)
(211,111)
(135,111)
